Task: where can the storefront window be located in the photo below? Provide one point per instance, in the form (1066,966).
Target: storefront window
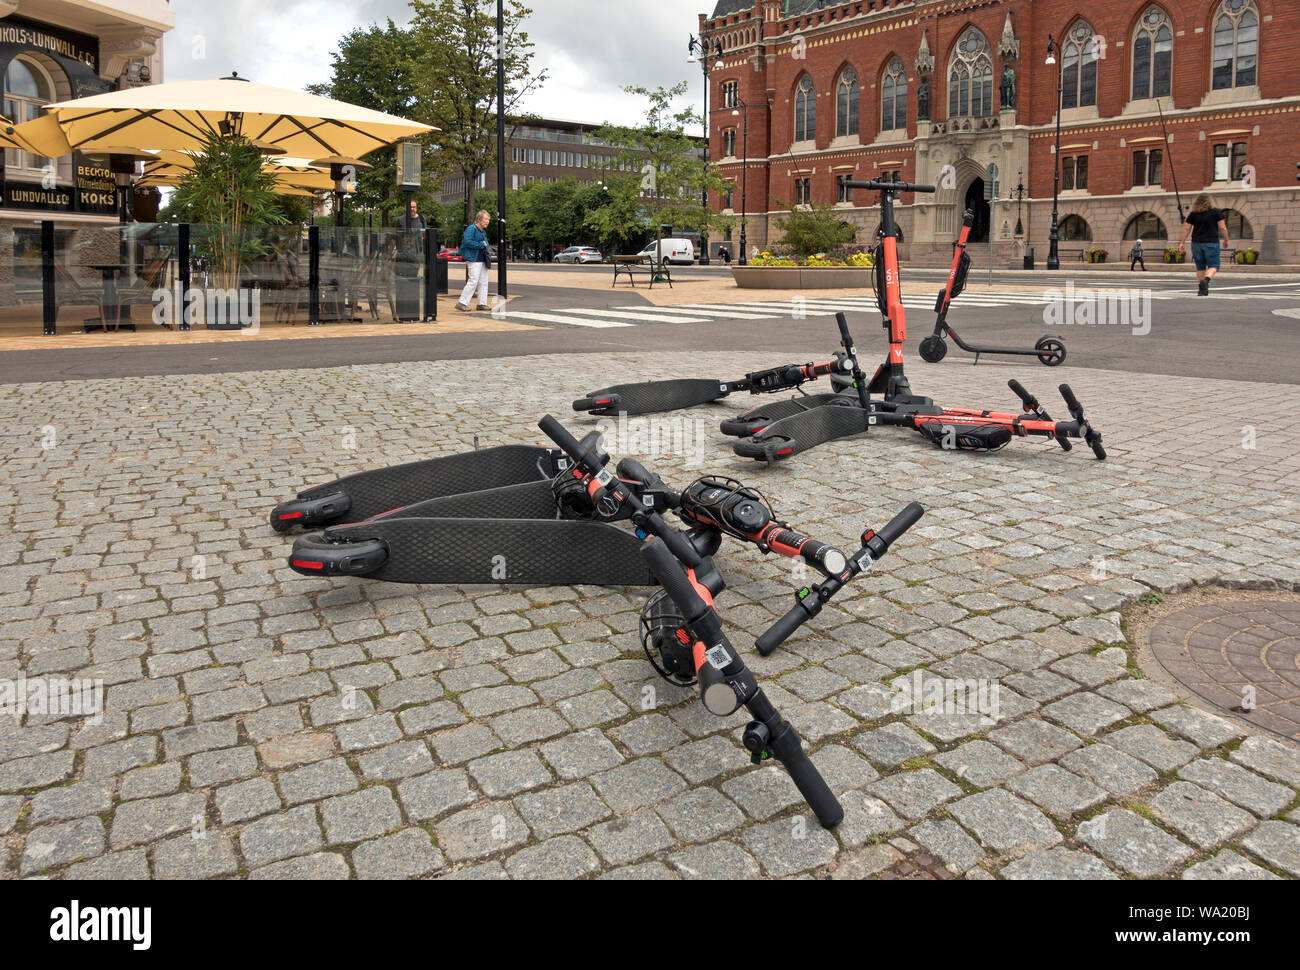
(27,91)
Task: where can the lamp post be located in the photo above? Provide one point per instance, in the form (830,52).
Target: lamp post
(501,151)
(699,46)
(1020,200)
(744,182)
(1054,237)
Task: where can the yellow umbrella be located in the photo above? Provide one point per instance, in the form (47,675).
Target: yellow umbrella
(41,137)
(182,115)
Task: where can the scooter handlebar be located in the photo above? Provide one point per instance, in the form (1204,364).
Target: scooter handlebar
(875,185)
(900,523)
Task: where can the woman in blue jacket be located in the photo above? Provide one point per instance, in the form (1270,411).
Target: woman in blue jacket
(474,251)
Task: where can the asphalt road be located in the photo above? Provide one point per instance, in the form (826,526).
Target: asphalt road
(1233,334)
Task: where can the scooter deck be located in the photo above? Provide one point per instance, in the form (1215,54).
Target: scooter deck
(799,432)
(759,418)
(531,500)
(367,494)
(651,397)
(519,552)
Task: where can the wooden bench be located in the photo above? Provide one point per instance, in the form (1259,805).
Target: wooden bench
(629,266)
(1082,253)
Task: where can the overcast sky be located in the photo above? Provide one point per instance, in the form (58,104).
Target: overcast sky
(590,47)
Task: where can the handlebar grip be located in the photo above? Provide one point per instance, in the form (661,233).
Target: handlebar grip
(1027,399)
(789,751)
(1072,402)
(843,322)
(903,521)
(1097,449)
(565,441)
(632,470)
(782,629)
(914,187)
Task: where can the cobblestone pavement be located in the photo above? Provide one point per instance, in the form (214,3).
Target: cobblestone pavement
(263,724)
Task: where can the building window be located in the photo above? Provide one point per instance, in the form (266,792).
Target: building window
(970,78)
(1147,167)
(1153,55)
(803,191)
(729,143)
(1145,225)
(1074,229)
(731,94)
(805,110)
(893,97)
(1079,67)
(1074,173)
(27,91)
(842,192)
(1229,161)
(729,198)
(846,104)
(1236,45)
(1239,226)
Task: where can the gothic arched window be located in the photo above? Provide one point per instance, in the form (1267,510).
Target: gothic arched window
(893,98)
(1079,67)
(970,77)
(1236,45)
(1153,55)
(805,110)
(846,104)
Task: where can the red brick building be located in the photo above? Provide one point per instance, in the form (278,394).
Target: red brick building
(936,91)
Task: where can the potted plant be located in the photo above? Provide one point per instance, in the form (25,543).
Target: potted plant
(1096,255)
(1175,255)
(1240,257)
(1252,256)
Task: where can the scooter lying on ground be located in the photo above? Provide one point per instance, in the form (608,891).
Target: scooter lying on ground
(682,633)
(542,531)
(652,397)
(775,432)
(1050,349)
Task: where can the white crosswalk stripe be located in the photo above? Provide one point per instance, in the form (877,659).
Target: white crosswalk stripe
(622,314)
(558,318)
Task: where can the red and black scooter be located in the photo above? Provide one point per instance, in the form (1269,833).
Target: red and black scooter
(853,412)
(1050,349)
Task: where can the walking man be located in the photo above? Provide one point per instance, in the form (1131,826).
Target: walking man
(1135,258)
(1207,226)
(474,251)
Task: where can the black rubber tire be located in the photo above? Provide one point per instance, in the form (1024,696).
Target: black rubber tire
(933,349)
(1051,351)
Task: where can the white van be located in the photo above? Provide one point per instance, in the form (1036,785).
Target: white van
(680,252)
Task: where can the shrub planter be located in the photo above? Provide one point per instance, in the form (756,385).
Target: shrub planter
(800,277)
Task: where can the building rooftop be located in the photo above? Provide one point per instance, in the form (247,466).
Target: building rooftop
(790,8)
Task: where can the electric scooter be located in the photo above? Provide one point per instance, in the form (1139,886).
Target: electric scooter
(1050,349)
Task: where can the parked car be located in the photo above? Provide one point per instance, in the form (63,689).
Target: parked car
(580,254)
(679,252)
(451,255)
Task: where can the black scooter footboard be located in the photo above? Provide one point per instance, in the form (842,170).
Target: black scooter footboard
(509,551)
(759,418)
(790,436)
(361,496)
(532,500)
(651,397)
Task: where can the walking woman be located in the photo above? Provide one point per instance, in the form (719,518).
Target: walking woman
(1206,225)
(474,251)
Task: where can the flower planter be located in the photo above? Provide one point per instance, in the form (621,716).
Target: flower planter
(801,277)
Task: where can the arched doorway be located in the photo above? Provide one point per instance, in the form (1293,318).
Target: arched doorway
(976,202)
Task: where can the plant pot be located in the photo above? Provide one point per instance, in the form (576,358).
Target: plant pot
(800,277)
(1252,258)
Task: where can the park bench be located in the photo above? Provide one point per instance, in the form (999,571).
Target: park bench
(655,270)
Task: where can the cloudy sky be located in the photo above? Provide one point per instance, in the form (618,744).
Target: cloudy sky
(590,47)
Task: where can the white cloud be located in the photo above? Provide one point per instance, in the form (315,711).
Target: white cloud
(592,48)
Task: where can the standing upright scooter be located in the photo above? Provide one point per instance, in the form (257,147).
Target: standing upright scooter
(1050,349)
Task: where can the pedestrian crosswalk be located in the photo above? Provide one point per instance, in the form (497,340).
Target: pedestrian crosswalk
(799,308)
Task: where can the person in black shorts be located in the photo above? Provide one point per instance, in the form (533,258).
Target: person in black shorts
(1206,225)
(1135,258)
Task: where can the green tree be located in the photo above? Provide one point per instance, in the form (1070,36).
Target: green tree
(455,44)
(815,230)
(375,67)
(659,178)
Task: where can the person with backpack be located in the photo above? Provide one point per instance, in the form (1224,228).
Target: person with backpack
(474,250)
(1207,226)
(1135,258)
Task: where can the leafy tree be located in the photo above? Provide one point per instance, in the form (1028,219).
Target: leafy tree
(229,192)
(375,67)
(815,230)
(455,44)
(659,178)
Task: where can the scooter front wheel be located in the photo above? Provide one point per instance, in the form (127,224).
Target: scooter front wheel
(1051,351)
(933,349)
(314,556)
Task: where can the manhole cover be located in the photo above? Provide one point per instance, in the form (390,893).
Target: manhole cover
(1243,657)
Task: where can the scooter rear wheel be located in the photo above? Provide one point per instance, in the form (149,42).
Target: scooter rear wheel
(1051,351)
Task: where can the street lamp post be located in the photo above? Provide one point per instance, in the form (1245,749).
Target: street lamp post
(1020,207)
(700,47)
(1054,237)
(502,282)
(744,182)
